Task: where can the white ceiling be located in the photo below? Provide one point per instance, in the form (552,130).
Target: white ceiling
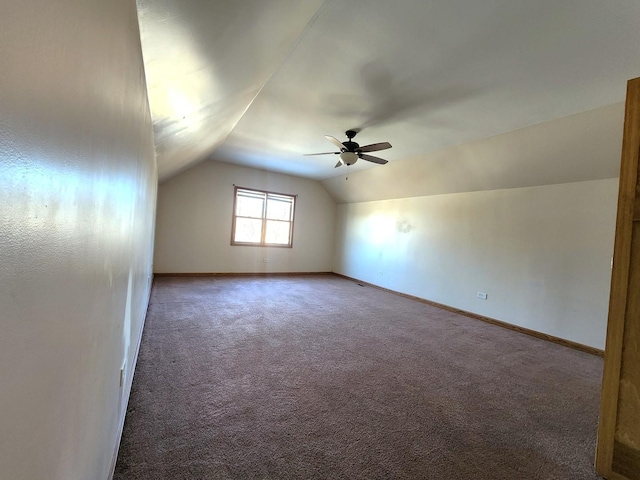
(260,83)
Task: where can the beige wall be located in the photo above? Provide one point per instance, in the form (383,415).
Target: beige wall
(77,198)
(194,223)
(577,148)
(542,254)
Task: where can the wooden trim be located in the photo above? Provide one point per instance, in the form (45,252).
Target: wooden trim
(233,213)
(619,282)
(268,192)
(260,245)
(626,460)
(240,274)
(616,476)
(492,321)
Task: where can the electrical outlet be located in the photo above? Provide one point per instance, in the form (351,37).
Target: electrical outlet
(265,260)
(380,272)
(482,295)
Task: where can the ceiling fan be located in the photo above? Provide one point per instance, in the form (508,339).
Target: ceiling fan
(350,151)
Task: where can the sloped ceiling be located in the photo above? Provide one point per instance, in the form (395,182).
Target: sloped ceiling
(260,83)
(205,63)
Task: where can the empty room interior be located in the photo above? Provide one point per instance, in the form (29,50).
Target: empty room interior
(320,239)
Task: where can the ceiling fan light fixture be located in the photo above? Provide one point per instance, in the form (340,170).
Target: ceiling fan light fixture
(349,158)
(350,151)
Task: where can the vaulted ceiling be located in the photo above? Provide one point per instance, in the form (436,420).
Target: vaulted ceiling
(260,83)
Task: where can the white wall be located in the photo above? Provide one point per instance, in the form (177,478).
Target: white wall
(77,199)
(542,254)
(195,208)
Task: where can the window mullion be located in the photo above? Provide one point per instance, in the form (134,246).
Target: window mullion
(263,239)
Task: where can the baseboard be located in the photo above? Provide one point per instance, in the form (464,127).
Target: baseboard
(492,321)
(239,274)
(130,375)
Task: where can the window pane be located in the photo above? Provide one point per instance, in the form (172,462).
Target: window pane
(249,206)
(279,209)
(263,218)
(277,232)
(248,230)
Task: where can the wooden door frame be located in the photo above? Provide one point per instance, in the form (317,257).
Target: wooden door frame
(625,261)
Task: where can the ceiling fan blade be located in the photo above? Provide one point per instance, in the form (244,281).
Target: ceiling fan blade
(374,147)
(339,164)
(323,153)
(371,158)
(335,141)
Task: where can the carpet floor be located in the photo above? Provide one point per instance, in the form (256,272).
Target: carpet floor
(316,377)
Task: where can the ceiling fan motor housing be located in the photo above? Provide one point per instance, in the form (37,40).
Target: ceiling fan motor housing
(350,146)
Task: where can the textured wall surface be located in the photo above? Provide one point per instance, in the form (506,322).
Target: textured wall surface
(195,214)
(77,201)
(542,254)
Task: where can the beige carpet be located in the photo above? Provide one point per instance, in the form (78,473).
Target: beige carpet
(319,378)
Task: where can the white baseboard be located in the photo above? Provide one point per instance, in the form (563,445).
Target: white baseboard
(129,376)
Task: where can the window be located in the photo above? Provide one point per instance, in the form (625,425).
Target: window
(262,218)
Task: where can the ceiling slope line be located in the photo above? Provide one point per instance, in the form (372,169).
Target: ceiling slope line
(296,43)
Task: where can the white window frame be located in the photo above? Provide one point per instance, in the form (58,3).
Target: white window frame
(267,195)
